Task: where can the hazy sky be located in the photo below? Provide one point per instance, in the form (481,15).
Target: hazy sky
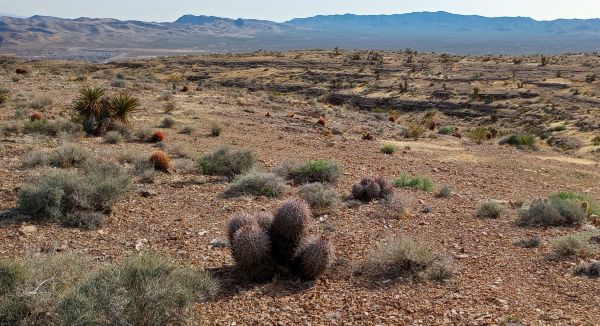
(281,10)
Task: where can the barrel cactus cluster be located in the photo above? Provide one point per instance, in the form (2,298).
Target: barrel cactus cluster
(264,244)
(372,189)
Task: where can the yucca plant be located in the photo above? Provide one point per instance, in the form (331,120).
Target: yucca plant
(122,105)
(92,106)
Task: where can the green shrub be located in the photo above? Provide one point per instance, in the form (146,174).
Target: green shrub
(316,171)
(446,130)
(388,148)
(523,140)
(404,257)
(489,209)
(53,128)
(224,162)
(553,212)
(35,127)
(415,182)
(142,290)
(257,184)
(322,198)
(59,195)
(593,207)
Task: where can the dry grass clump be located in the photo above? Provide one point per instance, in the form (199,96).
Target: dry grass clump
(572,246)
(444,192)
(262,245)
(394,206)
(322,198)
(113,137)
(227,163)
(168,122)
(66,289)
(552,212)
(523,141)
(52,128)
(489,209)
(215,130)
(403,257)
(64,195)
(257,183)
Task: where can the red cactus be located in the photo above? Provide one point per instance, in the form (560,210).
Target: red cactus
(36,116)
(158,136)
(161,161)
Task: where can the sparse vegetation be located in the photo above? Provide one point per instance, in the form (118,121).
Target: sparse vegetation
(522,141)
(257,184)
(415,182)
(316,171)
(444,192)
(168,122)
(388,148)
(404,257)
(489,209)
(226,162)
(322,198)
(552,212)
(215,130)
(573,246)
(113,137)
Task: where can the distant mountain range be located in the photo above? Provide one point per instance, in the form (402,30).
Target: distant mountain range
(424,31)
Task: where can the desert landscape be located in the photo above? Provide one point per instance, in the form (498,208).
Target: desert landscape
(321,187)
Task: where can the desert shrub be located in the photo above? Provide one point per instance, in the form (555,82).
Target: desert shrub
(225,162)
(446,130)
(591,270)
(118,83)
(182,150)
(69,155)
(35,127)
(404,257)
(371,188)
(388,148)
(590,203)
(40,103)
(284,169)
(478,135)
(316,171)
(113,137)
(415,182)
(489,209)
(553,212)
(4,95)
(160,161)
(444,192)
(157,136)
(215,130)
(34,159)
(84,220)
(322,198)
(531,242)
(33,287)
(168,122)
(57,194)
(394,206)
(257,184)
(264,244)
(522,140)
(142,290)
(187,130)
(572,246)
(144,134)
(414,131)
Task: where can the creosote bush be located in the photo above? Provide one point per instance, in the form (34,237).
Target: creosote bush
(316,171)
(371,188)
(257,184)
(63,195)
(489,209)
(262,245)
(415,182)
(322,198)
(405,257)
(226,162)
(552,212)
